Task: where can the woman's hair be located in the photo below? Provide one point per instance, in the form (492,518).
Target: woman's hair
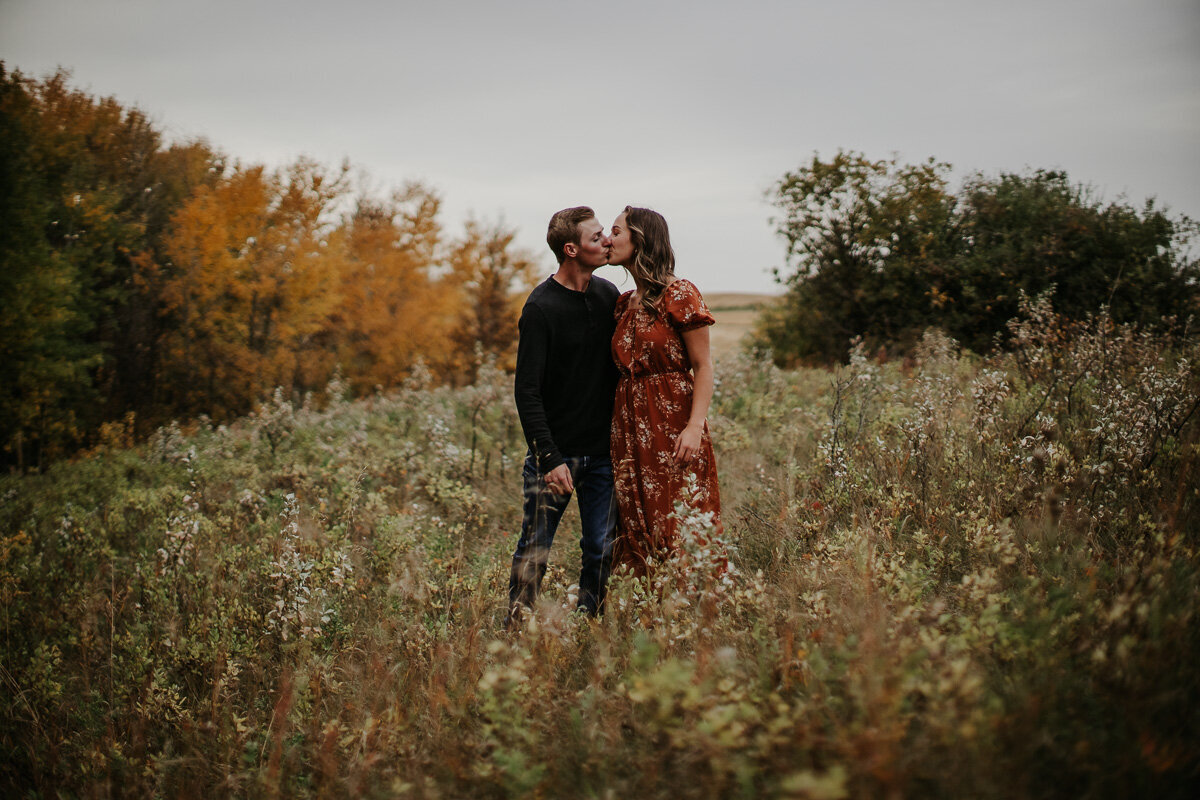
(653,265)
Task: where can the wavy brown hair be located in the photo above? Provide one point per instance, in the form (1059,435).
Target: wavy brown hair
(653,263)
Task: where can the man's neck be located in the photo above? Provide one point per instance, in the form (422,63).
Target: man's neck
(573,276)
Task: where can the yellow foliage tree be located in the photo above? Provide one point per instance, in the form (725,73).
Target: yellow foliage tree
(393,310)
(491,279)
(252,283)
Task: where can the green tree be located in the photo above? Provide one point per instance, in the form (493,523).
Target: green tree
(882,250)
(88,190)
(1037,232)
(868,244)
(45,371)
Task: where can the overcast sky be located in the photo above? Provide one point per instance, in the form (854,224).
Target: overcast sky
(512,110)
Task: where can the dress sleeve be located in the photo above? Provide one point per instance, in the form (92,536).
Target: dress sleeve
(622,303)
(684,306)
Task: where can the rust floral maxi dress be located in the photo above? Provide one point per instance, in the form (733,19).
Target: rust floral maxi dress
(652,406)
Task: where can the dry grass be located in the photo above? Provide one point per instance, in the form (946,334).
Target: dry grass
(957,578)
(736,316)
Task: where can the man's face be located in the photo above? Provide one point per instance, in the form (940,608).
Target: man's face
(592,250)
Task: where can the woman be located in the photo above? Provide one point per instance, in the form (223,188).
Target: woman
(660,433)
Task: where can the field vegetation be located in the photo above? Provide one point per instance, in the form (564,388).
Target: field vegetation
(954,576)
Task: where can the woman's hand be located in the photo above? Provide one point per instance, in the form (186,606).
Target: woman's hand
(687,444)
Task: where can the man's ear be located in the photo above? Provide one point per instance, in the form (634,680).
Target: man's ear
(570,250)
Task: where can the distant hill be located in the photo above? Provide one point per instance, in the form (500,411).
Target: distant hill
(736,313)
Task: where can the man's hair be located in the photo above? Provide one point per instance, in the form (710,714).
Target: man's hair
(564,229)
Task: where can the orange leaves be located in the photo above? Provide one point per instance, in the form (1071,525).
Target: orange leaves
(393,310)
(491,280)
(157,279)
(250,285)
(268,286)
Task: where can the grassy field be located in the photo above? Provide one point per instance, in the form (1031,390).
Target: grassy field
(736,314)
(952,577)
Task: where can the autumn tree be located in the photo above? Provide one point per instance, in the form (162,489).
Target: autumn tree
(142,281)
(392,311)
(115,186)
(492,279)
(250,287)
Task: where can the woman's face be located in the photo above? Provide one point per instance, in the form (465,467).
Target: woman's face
(622,243)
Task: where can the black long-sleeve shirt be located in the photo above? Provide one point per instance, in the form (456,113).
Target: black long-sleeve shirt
(565,377)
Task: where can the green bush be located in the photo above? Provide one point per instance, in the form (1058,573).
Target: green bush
(881,250)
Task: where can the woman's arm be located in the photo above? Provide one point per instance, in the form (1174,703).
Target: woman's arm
(687,444)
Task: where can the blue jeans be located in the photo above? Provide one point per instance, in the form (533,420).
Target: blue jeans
(593,478)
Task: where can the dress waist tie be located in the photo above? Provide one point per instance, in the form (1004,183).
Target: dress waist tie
(644,375)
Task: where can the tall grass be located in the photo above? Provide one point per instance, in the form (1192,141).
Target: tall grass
(947,578)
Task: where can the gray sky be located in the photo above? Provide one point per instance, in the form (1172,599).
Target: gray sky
(512,110)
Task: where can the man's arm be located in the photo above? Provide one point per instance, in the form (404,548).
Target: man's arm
(533,349)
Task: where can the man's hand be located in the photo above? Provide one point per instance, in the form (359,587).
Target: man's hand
(558,480)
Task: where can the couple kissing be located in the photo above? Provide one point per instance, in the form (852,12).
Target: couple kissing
(613,392)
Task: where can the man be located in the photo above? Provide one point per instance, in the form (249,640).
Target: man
(564,388)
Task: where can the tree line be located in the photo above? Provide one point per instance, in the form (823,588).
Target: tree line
(144,280)
(882,250)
